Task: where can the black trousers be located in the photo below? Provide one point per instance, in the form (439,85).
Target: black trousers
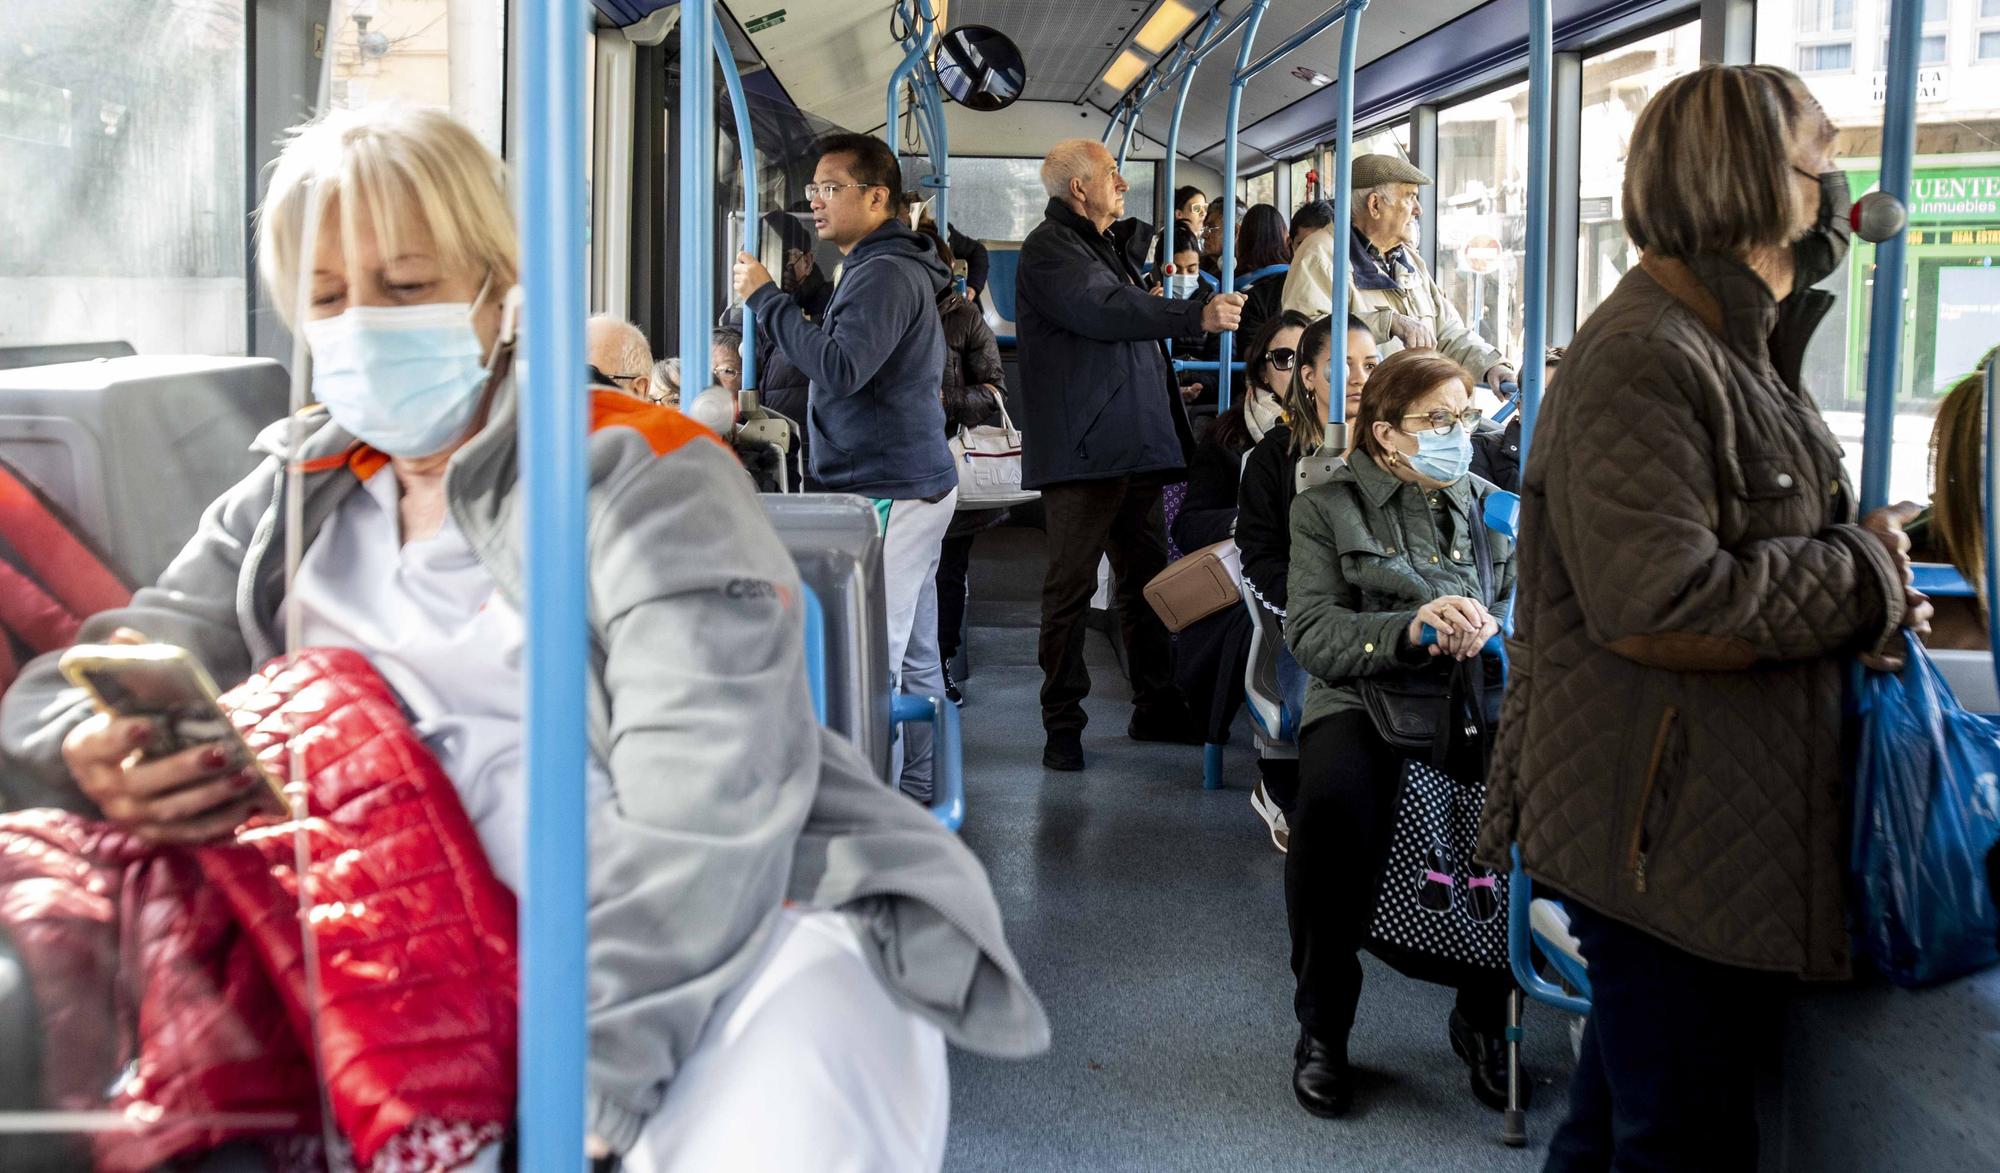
(1341,823)
(1667,1079)
(954,566)
(1122,518)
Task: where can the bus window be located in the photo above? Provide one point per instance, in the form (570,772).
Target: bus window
(121,162)
(1617,84)
(1002,199)
(1481,211)
(1951,297)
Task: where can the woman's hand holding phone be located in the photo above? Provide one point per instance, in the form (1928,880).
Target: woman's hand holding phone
(189,797)
(192,796)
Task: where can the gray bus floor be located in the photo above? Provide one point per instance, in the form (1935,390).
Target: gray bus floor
(1150,917)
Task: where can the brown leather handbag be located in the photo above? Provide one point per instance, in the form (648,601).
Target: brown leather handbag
(1198,585)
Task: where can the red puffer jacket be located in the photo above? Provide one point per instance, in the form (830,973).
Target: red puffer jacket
(416,1009)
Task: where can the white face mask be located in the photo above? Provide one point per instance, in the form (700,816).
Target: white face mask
(405,380)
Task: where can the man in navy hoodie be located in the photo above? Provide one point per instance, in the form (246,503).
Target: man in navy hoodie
(875,359)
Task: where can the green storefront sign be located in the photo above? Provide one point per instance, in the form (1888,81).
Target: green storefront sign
(1952,305)
(1953,195)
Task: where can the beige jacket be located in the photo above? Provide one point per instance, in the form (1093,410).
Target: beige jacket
(1309,290)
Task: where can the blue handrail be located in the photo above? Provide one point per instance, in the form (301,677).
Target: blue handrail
(746,149)
(1520,891)
(917,47)
(947,753)
(815,650)
(1186,49)
(1885,320)
(1992,504)
(1535,278)
(1226,344)
(697,218)
(554,897)
(1256,275)
(1343,205)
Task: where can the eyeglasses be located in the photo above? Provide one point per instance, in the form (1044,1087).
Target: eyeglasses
(726,372)
(1282,358)
(1442,422)
(824,191)
(624,381)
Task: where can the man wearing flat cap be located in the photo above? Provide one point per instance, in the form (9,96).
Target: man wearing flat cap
(1388,287)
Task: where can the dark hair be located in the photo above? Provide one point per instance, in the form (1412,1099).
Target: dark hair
(1260,242)
(872,162)
(1260,343)
(1184,241)
(790,231)
(1403,378)
(1301,406)
(1313,214)
(1354,323)
(1183,194)
(928,229)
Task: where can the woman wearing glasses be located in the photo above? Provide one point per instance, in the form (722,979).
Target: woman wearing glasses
(1381,550)
(1209,659)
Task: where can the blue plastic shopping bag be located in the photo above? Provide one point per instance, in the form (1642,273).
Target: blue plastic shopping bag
(1926,815)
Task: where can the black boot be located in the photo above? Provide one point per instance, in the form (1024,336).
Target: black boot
(1063,750)
(1485,1057)
(1321,1078)
(951,692)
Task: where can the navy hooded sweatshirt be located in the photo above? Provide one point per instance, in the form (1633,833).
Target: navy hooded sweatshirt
(876,364)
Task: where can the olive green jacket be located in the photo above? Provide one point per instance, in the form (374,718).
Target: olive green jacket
(1367,551)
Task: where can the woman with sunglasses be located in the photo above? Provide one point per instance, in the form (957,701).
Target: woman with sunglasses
(1383,549)
(1211,653)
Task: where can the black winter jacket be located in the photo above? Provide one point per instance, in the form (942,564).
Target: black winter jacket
(1264,518)
(1209,510)
(973,374)
(1496,455)
(1097,397)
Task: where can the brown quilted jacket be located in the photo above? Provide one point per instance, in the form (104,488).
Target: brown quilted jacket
(1690,583)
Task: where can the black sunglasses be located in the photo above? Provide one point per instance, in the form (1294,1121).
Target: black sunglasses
(1282,358)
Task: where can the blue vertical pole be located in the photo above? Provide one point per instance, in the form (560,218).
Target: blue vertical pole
(1885,317)
(1227,283)
(1174,134)
(554,898)
(697,201)
(746,150)
(1992,504)
(1343,217)
(937,137)
(1535,279)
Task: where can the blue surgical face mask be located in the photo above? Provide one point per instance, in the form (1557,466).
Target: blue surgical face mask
(404,380)
(1443,458)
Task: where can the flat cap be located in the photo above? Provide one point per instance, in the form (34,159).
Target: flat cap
(1376,170)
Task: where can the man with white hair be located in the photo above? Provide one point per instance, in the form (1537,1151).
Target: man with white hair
(617,350)
(1388,287)
(1103,431)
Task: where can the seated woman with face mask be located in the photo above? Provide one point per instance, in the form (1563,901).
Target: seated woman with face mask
(1383,549)
(748,947)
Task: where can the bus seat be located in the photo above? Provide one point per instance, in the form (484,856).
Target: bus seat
(835,540)
(1004,266)
(1271,727)
(137,447)
(15,357)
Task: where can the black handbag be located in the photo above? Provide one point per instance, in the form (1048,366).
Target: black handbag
(1443,703)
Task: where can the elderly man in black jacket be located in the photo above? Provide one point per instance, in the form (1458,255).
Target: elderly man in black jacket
(1104,430)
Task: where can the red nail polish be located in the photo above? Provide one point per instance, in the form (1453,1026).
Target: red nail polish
(139,734)
(214,757)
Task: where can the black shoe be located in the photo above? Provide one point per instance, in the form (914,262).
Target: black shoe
(1485,1057)
(951,692)
(1321,1078)
(1063,751)
(1169,723)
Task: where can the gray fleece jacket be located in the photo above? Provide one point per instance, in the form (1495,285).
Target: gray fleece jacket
(729,800)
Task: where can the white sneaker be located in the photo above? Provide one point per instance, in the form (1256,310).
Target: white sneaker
(1267,809)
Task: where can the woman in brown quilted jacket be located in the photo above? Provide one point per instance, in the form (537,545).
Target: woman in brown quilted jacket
(1691,582)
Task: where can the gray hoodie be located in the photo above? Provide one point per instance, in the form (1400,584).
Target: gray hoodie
(728,798)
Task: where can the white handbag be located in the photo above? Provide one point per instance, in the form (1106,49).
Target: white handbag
(988,459)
